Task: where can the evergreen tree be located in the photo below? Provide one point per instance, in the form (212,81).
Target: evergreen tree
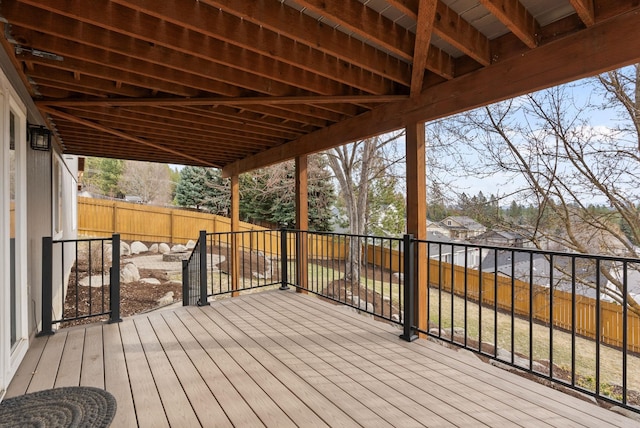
(266,195)
(103,175)
(190,188)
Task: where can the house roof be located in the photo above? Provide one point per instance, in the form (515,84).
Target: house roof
(463,222)
(240,84)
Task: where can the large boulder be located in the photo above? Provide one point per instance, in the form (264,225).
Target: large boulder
(164,248)
(178,248)
(129,273)
(125,249)
(191,244)
(153,248)
(167,299)
(138,247)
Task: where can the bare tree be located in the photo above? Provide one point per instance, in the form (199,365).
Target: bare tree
(150,181)
(355,166)
(568,164)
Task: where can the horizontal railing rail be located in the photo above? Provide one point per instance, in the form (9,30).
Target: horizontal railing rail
(87,282)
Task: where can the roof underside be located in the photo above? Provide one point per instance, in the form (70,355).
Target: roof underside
(242,83)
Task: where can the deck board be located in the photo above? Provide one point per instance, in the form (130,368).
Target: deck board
(92,359)
(116,377)
(284,359)
(44,375)
(71,359)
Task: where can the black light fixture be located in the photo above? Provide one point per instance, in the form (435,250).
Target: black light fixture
(39,138)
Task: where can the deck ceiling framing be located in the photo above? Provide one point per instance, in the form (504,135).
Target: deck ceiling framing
(240,84)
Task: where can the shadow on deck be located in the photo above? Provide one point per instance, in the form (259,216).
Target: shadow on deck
(285,359)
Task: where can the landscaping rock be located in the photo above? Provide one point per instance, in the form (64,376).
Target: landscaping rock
(364,306)
(399,276)
(395,318)
(190,245)
(504,355)
(96,281)
(138,247)
(458,331)
(167,299)
(153,248)
(178,248)
(129,273)
(125,249)
(163,248)
(175,257)
(153,281)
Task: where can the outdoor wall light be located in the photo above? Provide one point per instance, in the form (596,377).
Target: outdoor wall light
(39,138)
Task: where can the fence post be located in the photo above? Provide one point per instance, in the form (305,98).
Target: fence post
(204,299)
(284,274)
(47,286)
(185,283)
(409,283)
(114,279)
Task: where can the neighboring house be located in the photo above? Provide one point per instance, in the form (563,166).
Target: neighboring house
(502,238)
(462,227)
(445,249)
(38,191)
(537,269)
(434,226)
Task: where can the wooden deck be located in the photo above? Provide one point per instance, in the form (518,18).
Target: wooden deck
(284,359)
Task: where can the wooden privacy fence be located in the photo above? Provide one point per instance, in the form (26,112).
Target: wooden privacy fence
(102,218)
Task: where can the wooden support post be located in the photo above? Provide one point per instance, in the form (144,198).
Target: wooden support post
(302,224)
(417,215)
(235,237)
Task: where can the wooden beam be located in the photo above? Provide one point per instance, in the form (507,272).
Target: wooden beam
(369,24)
(271,76)
(453,29)
(302,223)
(247,35)
(426,13)
(517,18)
(604,46)
(232,101)
(417,214)
(179,155)
(235,237)
(308,31)
(585,11)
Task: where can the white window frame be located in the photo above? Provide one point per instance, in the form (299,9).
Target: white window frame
(10,357)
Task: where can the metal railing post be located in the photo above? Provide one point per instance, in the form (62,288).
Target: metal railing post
(284,274)
(185,283)
(204,299)
(114,279)
(409,283)
(47,286)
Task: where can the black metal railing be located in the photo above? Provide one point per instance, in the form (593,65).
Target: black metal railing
(567,318)
(233,262)
(364,272)
(80,279)
(564,317)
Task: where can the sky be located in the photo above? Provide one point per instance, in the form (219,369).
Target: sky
(503,184)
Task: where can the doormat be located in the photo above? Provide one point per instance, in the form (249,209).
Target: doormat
(60,407)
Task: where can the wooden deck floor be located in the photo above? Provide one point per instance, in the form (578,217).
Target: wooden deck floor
(284,359)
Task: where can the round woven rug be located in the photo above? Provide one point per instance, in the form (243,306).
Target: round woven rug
(59,407)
